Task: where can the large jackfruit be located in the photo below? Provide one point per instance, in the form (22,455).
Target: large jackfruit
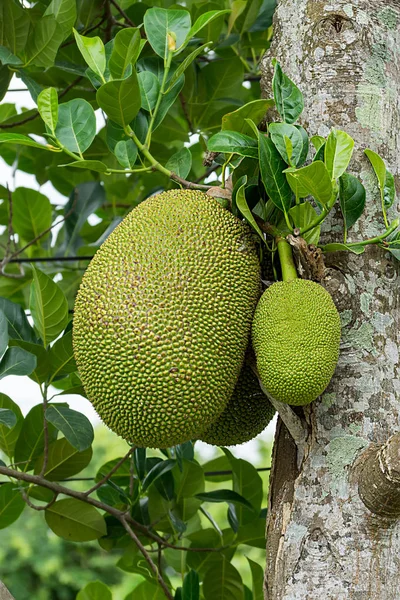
(247,413)
(163,316)
(296,336)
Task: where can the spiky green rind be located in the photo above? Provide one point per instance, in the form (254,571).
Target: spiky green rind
(296,337)
(163,315)
(247,414)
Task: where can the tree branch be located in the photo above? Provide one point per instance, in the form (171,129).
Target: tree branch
(189,184)
(107,477)
(148,558)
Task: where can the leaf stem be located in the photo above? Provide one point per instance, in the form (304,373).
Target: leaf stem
(160,95)
(379,238)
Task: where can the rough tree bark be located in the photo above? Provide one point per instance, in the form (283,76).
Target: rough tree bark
(322,540)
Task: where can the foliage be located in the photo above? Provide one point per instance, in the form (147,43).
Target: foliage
(177,85)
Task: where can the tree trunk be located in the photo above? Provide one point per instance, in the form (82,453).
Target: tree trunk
(322,541)
(4,593)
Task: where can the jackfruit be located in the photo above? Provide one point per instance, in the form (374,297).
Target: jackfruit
(296,336)
(247,413)
(163,316)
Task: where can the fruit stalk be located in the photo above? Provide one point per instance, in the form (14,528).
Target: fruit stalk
(289,272)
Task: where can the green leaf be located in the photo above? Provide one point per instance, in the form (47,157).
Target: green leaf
(241,204)
(302,216)
(221,463)
(75,521)
(338,152)
(167,101)
(43,42)
(334,247)
(378,164)
(159,23)
(352,199)
(11,504)
(74,425)
(139,458)
(84,200)
(224,496)
(233,142)
(4,337)
(184,65)
(91,165)
(93,52)
(34,88)
(22,140)
(8,437)
(8,58)
(64,11)
(121,477)
(204,20)
(149,89)
(238,6)
(279,132)
(95,590)
(120,99)
(288,98)
(312,180)
(126,153)
(47,102)
(14,25)
(274,180)
(389,191)
(7,418)
(64,460)
(191,586)
(254,110)
(157,471)
(32,214)
(317,141)
(146,591)
(5,78)
(48,306)
(76,125)
(41,371)
(61,355)
(306,145)
(125,51)
(248,484)
(30,442)
(222,582)
(257,578)
(18,325)
(17,361)
(180,163)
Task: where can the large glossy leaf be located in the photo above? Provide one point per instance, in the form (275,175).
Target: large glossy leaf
(385,179)
(8,437)
(44,42)
(18,325)
(222,582)
(149,89)
(85,199)
(191,586)
(120,99)
(49,307)
(76,125)
(254,110)
(30,443)
(7,418)
(91,165)
(204,20)
(247,483)
(184,65)
(338,151)
(8,58)
(224,496)
(61,355)
(288,141)
(4,337)
(14,26)
(180,162)
(241,204)
(302,216)
(11,504)
(233,142)
(64,11)
(274,180)
(75,521)
(47,102)
(167,101)
(22,140)
(160,23)
(126,153)
(17,361)
(95,590)
(157,471)
(288,98)
(75,426)
(389,190)
(41,371)
(64,460)
(352,199)
(257,579)
(312,180)
(93,52)
(146,591)
(32,214)
(125,51)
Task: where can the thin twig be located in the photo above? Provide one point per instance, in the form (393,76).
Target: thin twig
(147,556)
(122,13)
(186,112)
(209,172)
(45,435)
(70,86)
(110,474)
(35,506)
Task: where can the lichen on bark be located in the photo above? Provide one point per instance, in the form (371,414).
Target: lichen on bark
(322,542)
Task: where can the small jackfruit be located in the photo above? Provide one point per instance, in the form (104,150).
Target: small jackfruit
(163,316)
(296,337)
(247,413)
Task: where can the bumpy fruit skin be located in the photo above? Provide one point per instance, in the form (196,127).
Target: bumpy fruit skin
(296,337)
(247,413)
(163,316)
